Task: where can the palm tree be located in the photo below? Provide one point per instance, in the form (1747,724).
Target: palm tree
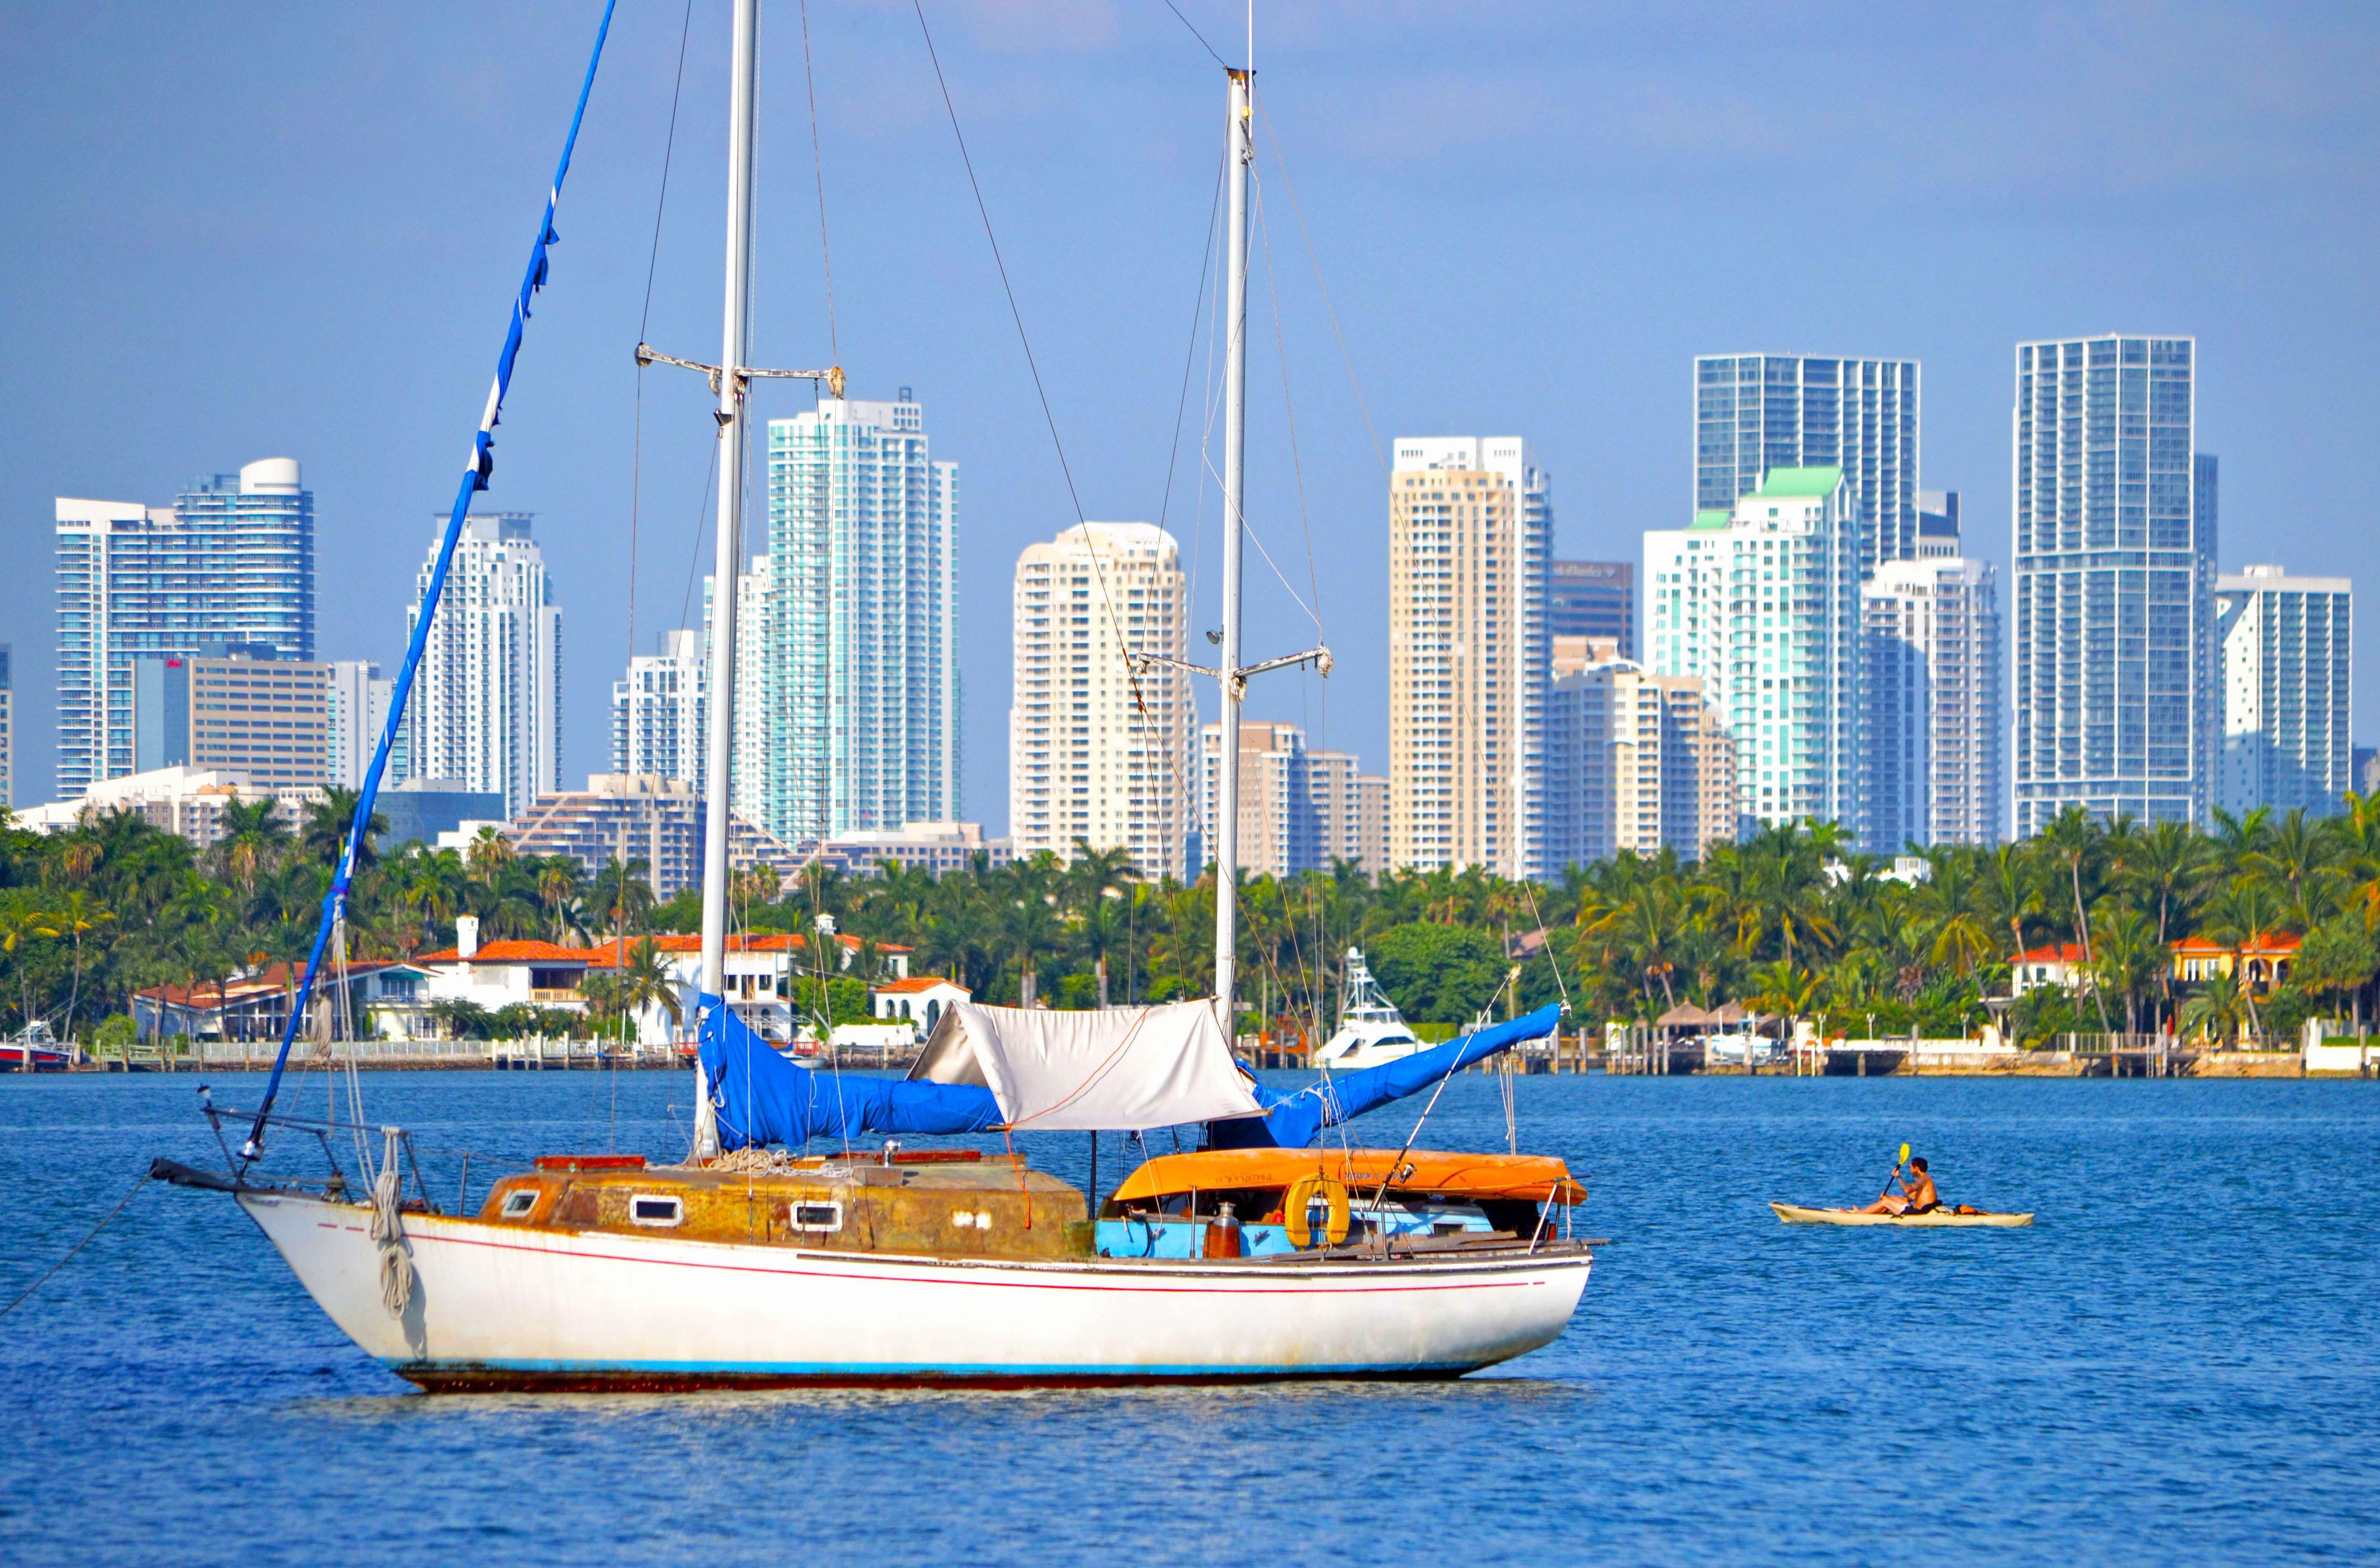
(643,980)
(22,924)
(252,834)
(488,854)
(2219,1008)
(1945,904)
(2073,837)
(77,917)
(322,828)
(2241,918)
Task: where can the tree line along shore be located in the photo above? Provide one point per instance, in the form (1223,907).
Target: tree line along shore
(1790,923)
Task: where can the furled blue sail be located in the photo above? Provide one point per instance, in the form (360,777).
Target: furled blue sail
(1292,1120)
(476,473)
(759,1097)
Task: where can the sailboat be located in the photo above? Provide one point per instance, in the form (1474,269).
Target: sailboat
(753,1262)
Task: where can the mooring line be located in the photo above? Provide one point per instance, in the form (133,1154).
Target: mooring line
(25,1294)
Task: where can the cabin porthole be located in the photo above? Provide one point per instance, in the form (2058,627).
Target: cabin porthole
(653,1208)
(816,1218)
(518,1203)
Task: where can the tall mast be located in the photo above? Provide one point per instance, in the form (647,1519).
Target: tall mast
(735,352)
(1235,379)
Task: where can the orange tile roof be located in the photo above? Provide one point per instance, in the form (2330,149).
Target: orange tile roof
(2064,952)
(765,942)
(273,978)
(515,951)
(922,982)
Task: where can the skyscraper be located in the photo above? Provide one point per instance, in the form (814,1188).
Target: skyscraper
(486,709)
(1094,753)
(234,709)
(658,712)
(2288,691)
(747,794)
(1470,536)
(1594,599)
(1634,760)
(231,561)
(359,700)
(1755,412)
(1761,602)
(862,648)
(1300,809)
(1931,665)
(2115,699)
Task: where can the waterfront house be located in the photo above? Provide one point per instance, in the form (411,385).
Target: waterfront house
(497,975)
(2263,960)
(2059,965)
(390,1001)
(919,999)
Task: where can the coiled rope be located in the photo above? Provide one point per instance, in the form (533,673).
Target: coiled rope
(388,1230)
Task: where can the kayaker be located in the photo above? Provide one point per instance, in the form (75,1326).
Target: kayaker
(1916,1195)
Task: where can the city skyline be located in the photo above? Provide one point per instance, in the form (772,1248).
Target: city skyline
(2211,207)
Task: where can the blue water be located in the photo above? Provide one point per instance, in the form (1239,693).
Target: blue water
(2181,1359)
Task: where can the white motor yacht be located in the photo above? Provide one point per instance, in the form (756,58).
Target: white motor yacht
(1371,1030)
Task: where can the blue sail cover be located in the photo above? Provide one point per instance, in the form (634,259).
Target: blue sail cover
(1292,1120)
(760,1098)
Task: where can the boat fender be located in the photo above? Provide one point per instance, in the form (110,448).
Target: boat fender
(1298,1201)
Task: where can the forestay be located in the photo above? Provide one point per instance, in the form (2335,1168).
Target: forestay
(1116,1069)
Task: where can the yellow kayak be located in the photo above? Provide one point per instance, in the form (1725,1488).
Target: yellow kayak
(1794,1215)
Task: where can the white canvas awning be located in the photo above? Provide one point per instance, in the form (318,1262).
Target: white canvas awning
(1118,1069)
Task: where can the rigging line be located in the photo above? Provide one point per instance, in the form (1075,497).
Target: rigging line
(1249,529)
(475,477)
(693,566)
(1197,34)
(818,167)
(25,1294)
(1379,454)
(1289,409)
(644,323)
(1543,936)
(1006,288)
(1190,353)
(1025,341)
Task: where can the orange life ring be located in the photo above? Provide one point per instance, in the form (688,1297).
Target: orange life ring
(1299,1199)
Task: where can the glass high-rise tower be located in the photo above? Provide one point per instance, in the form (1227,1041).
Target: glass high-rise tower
(232,561)
(1754,412)
(2117,705)
(862,641)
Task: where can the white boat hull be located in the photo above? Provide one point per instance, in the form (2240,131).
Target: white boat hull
(497,1305)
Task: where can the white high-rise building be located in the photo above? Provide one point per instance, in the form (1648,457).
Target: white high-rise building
(862,683)
(1634,760)
(486,709)
(2115,691)
(1300,809)
(1754,412)
(659,711)
(232,561)
(1762,604)
(359,700)
(2288,691)
(1470,544)
(1094,755)
(747,791)
(1931,665)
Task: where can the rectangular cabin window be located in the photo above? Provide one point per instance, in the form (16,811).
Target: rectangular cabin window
(818,1218)
(648,1208)
(518,1203)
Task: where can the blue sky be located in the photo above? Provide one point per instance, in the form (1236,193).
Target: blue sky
(247,230)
